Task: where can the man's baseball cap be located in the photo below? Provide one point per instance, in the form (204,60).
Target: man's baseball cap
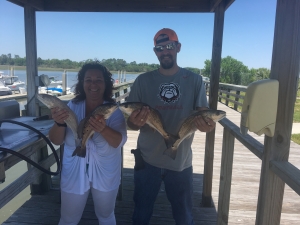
(172,36)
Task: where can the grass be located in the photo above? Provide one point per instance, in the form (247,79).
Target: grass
(297,110)
(296,138)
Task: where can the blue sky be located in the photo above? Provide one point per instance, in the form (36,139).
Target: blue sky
(248,34)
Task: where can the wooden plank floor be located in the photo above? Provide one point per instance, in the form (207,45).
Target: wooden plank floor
(45,209)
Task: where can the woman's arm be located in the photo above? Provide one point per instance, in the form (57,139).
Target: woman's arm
(57,133)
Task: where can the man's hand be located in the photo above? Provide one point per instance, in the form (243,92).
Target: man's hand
(138,118)
(204,124)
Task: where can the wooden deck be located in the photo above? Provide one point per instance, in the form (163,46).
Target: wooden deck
(45,209)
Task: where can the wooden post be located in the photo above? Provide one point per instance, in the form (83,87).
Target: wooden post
(64,83)
(220,94)
(225,177)
(120,192)
(2,172)
(213,101)
(227,97)
(236,99)
(42,183)
(31,60)
(12,72)
(285,68)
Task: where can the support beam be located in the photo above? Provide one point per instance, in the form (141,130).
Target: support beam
(285,68)
(213,101)
(31,60)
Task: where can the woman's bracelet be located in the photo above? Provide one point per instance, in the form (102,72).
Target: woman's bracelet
(61,124)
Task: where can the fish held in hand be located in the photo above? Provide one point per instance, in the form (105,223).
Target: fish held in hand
(154,119)
(85,131)
(188,127)
(52,102)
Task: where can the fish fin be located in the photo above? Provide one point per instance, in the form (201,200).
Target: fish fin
(81,152)
(81,127)
(170,140)
(170,152)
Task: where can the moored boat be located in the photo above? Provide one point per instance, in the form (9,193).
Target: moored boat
(4,90)
(12,82)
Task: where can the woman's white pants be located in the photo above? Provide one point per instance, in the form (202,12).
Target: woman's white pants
(72,206)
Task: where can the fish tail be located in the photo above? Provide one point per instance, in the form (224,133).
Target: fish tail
(81,152)
(77,142)
(171,152)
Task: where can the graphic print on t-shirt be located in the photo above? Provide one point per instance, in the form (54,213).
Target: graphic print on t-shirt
(169,92)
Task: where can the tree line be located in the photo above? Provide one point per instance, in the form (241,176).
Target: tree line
(111,64)
(232,70)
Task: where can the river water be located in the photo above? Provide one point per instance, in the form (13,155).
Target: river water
(71,78)
(19,169)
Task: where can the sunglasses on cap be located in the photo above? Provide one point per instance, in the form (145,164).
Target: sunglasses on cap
(160,48)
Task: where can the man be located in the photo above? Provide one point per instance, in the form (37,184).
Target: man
(175,92)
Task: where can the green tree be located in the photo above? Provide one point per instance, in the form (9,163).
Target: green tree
(112,64)
(195,70)
(206,70)
(262,73)
(231,70)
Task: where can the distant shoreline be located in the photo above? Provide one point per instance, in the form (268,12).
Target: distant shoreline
(7,67)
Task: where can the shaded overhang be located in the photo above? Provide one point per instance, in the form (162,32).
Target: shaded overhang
(184,6)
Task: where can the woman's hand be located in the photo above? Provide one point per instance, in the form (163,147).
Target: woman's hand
(97,123)
(59,115)
(112,136)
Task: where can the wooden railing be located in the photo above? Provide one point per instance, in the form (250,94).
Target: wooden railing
(37,151)
(122,91)
(39,182)
(283,169)
(229,91)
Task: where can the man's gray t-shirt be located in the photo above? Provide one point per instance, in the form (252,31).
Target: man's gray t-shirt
(175,97)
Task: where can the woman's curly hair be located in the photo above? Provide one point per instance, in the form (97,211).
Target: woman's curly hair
(109,81)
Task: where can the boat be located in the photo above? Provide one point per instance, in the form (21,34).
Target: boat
(12,82)
(52,86)
(54,82)
(4,90)
(58,90)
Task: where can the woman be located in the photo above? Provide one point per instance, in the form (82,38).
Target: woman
(100,171)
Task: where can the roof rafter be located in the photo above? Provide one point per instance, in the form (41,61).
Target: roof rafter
(37,4)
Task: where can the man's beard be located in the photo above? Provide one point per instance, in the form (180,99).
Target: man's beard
(167,64)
